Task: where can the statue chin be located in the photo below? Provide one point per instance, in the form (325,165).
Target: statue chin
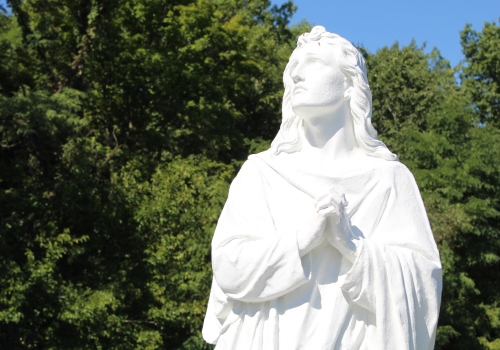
(323,249)
(312,111)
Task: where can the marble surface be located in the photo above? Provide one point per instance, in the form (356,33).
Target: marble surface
(324,242)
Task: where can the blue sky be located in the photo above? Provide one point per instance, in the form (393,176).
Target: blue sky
(379,23)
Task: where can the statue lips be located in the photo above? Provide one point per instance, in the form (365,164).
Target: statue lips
(298,88)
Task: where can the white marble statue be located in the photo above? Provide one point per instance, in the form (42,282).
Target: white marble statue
(324,242)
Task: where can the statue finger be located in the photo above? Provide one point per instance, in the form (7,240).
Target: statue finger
(325,202)
(339,196)
(330,212)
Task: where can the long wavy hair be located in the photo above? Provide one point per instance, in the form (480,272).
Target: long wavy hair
(352,65)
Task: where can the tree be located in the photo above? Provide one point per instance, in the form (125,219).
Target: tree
(121,125)
(123,122)
(481,71)
(438,131)
(167,78)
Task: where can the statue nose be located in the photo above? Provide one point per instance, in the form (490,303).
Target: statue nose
(297,79)
(296,76)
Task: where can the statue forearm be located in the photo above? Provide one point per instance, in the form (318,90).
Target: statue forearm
(258,270)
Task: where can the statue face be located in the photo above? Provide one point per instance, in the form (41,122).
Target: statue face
(319,84)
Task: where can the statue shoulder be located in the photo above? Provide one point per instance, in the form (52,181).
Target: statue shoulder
(248,176)
(396,174)
(265,155)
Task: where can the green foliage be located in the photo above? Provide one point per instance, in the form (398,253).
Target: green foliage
(10,31)
(117,122)
(442,133)
(125,264)
(16,68)
(169,78)
(176,218)
(123,122)
(482,71)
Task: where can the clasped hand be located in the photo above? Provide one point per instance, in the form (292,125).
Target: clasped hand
(330,223)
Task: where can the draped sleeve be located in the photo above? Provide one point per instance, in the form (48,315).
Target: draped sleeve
(397,274)
(252,262)
(387,299)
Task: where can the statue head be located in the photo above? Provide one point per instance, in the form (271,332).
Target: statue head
(355,87)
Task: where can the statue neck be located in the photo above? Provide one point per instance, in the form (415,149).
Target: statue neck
(329,138)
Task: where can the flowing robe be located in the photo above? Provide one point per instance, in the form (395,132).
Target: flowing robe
(265,296)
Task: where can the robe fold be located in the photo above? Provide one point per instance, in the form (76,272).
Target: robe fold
(266,296)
